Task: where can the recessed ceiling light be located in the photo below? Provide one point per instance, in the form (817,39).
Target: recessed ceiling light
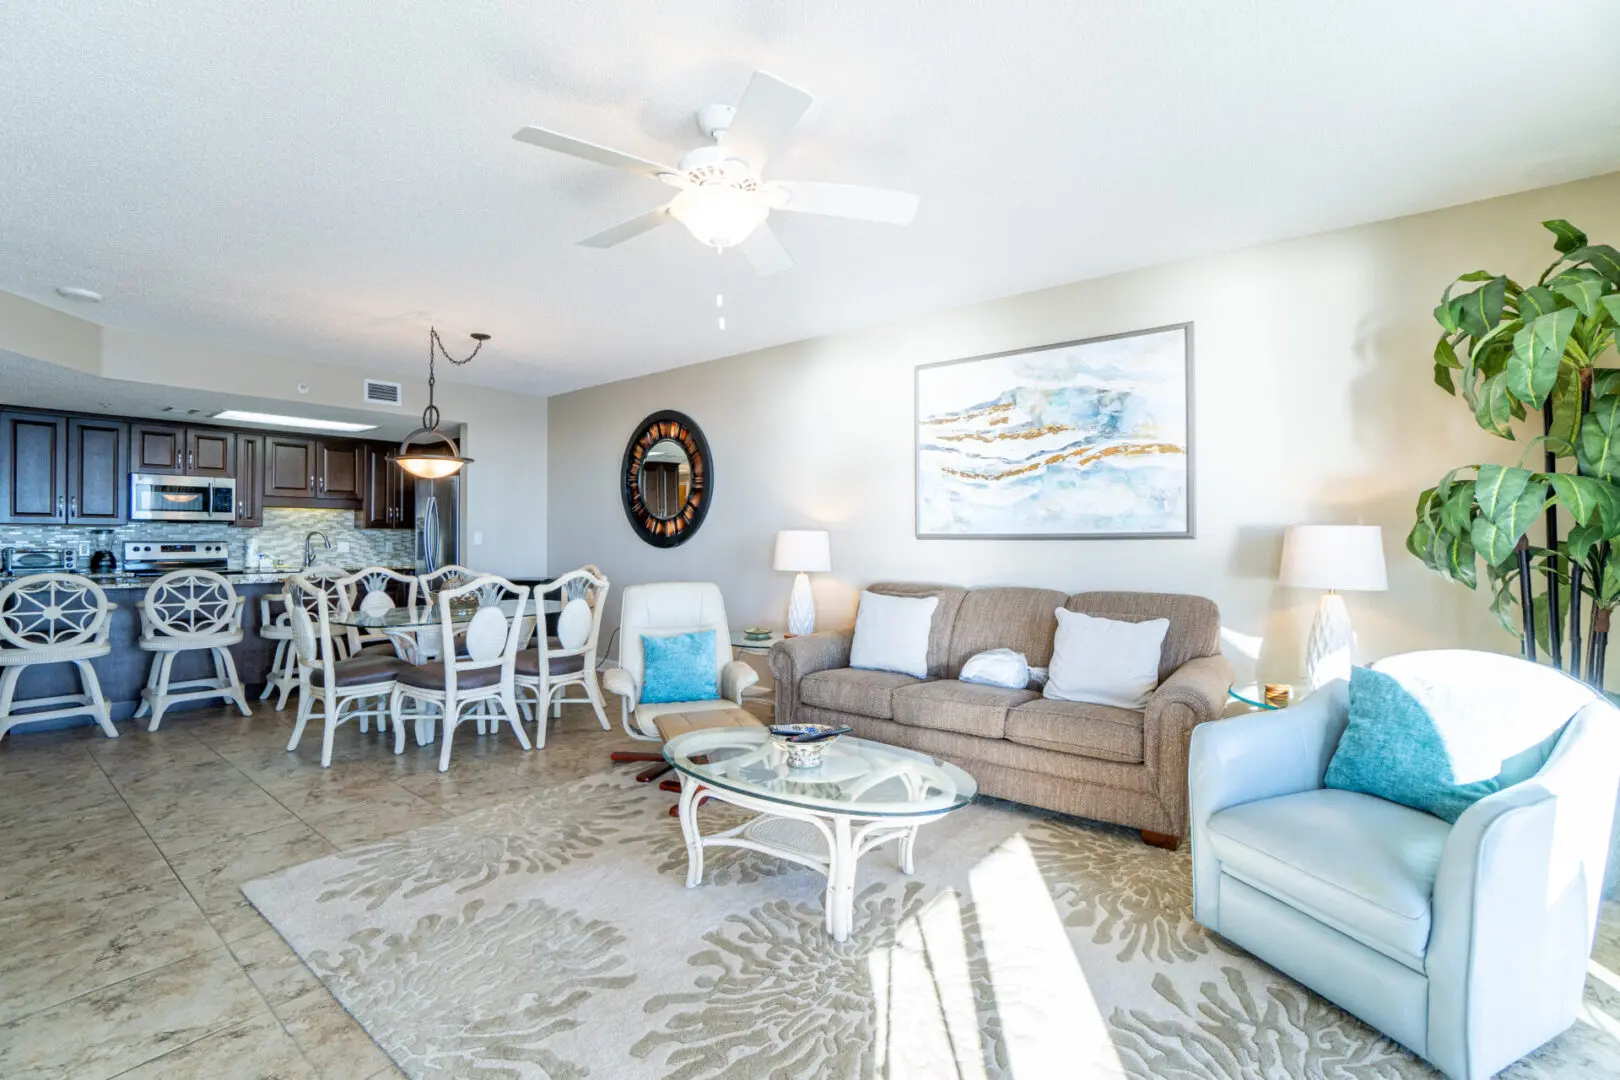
(278,420)
(89,296)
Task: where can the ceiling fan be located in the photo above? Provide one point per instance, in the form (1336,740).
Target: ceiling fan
(721,198)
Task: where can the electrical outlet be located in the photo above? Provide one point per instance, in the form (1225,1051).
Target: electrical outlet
(84,550)
(478,538)
(343,545)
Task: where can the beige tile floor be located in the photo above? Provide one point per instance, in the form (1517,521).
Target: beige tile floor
(126,949)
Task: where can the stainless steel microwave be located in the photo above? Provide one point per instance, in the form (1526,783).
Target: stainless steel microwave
(181,498)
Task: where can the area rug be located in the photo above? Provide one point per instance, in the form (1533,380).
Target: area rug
(555,938)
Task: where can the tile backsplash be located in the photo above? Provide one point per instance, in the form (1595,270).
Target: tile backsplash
(281,538)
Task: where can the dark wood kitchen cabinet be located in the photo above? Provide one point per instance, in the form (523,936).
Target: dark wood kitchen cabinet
(169,450)
(97,472)
(390,495)
(210,452)
(341,471)
(250,472)
(313,472)
(33,466)
(289,467)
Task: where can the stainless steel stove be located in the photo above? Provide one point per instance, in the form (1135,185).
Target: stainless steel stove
(153,558)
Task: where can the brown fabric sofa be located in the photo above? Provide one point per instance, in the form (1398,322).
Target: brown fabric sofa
(1093,761)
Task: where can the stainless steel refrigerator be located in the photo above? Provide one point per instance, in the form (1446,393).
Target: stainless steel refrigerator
(438,524)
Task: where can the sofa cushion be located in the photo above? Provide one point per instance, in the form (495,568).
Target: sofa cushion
(1005,618)
(1195,621)
(851,690)
(939,632)
(1363,865)
(949,705)
(1078,727)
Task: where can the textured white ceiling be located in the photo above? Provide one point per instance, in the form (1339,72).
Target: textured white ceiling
(322,179)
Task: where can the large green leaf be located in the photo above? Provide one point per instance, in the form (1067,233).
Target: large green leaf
(1612,304)
(1454,556)
(1498,488)
(1582,496)
(1539,610)
(1496,536)
(1448,313)
(1538,350)
(1490,357)
(1605,382)
(1601,257)
(1567,238)
(1584,293)
(1537,300)
(1445,354)
(1598,448)
(1494,409)
(1481,309)
(1566,412)
(1420,539)
(1582,538)
(1457,511)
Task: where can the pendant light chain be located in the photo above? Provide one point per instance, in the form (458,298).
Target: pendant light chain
(430,415)
(435,464)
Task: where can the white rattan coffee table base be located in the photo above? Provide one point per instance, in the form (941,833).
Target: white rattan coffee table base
(828,842)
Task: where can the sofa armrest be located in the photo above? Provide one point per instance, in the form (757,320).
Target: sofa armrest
(1200,685)
(1257,756)
(794,658)
(736,677)
(1516,902)
(619,681)
(1193,694)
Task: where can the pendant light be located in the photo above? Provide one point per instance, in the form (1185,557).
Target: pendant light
(431,462)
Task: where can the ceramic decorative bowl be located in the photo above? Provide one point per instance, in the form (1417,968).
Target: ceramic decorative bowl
(805,755)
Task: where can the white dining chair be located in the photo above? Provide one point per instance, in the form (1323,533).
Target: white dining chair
(327,681)
(428,644)
(545,672)
(53,619)
(186,611)
(275,624)
(366,591)
(486,673)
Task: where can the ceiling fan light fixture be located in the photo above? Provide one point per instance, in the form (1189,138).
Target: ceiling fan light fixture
(719,215)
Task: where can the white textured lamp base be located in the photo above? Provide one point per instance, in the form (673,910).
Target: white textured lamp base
(1332,645)
(801,608)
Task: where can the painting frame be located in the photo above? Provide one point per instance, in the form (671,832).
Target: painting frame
(1190,532)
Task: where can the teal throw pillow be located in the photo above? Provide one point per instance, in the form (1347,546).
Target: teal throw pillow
(679,667)
(1395,749)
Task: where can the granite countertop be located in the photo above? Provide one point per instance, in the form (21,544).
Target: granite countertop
(235,577)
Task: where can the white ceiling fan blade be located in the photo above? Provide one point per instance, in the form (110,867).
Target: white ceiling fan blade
(567,144)
(765,252)
(627,230)
(768,111)
(848,201)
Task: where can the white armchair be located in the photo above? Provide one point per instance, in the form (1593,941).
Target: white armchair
(1467,943)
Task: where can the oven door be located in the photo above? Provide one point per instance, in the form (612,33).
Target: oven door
(170,498)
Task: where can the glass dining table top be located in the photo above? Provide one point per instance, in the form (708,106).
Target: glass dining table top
(856,777)
(418,616)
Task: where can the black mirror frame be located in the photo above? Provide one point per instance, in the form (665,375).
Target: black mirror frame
(671,532)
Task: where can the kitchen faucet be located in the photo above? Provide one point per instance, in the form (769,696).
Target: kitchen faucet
(309,546)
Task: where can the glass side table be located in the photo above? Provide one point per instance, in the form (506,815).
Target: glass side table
(1254,695)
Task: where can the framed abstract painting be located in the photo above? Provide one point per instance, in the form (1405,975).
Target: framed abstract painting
(1083,440)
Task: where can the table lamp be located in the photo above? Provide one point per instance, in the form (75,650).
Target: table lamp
(804,552)
(1333,558)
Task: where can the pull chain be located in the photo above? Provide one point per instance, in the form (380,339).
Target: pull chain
(720,288)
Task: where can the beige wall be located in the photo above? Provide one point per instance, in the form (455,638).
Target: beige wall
(504,492)
(1313,404)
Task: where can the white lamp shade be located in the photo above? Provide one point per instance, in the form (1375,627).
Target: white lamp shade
(1334,557)
(802,551)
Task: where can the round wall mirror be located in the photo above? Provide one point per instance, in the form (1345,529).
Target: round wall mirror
(667,479)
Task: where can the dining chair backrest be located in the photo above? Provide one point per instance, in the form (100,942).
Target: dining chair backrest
(49,611)
(309,610)
(322,579)
(587,584)
(492,636)
(191,604)
(366,591)
(445,577)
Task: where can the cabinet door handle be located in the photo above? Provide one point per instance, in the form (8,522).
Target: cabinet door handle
(60,502)
(177,460)
(191,460)
(323,485)
(312,483)
(73,506)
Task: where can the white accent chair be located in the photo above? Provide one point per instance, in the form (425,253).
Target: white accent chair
(664,609)
(1467,943)
(53,619)
(275,624)
(367,681)
(546,671)
(484,674)
(185,611)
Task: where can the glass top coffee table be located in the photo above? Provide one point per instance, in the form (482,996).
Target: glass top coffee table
(862,795)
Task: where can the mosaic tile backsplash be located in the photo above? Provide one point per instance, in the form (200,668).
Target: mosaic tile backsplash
(281,538)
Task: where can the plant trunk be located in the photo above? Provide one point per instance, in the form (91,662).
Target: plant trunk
(1526,600)
(1575,576)
(1555,630)
(1598,647)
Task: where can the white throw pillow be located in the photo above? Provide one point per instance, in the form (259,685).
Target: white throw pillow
(997,667)
(574,624)
(1105,661)
(891,633)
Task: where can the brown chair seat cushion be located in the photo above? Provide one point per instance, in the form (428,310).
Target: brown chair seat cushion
(528,663)
(679,723)
(380,648)
(854,690)
(360,671)
(431,676)
(949,705)
(1077,727)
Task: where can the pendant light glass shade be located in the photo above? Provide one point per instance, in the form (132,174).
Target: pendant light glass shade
(429,462)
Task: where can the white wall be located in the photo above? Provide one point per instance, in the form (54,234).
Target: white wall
(1313,404)
(505,433)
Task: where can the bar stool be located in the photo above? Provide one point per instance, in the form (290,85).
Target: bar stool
(53,619)
(185,611)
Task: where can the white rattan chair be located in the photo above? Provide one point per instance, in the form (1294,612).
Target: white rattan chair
(366,591)
(545,672)
(275,624)
(428,643)
(325,679)
(485,673)
(184,611)
(53,619)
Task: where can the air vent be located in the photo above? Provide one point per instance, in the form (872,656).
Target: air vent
(384,393)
